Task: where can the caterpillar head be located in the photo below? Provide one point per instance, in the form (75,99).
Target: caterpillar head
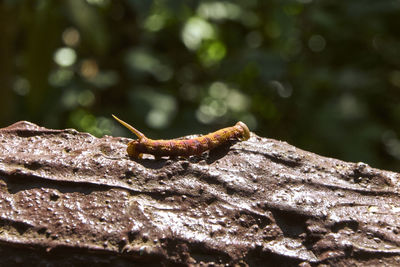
(244,130)
(132,149)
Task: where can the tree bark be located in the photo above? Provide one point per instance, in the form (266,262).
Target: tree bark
(70,198)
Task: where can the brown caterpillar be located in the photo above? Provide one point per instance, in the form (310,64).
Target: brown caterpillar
(185,147)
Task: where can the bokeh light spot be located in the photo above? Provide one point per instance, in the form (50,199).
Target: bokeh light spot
(154,22)
(212,53)
(21,86)
(86,98)
(70,99)
(195,31)
(237,101)
(65,56)
(98,2)
(143,61)
(392,143)
(157,118)
(316,43)
(71,37)
(218,90)
(60,77)
(283,91)
(89,68)
(254,39)
(219,10)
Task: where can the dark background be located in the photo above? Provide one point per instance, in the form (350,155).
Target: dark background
(321,75)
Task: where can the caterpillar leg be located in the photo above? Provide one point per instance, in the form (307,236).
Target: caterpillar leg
(138,156)
(134,154)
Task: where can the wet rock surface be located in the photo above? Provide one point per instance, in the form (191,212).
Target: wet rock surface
(69,198)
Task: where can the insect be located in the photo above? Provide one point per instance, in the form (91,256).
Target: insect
(184,147)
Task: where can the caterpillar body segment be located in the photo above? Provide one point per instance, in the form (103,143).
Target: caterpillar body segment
(184,147)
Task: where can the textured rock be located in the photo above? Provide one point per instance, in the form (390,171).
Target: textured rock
(68,198)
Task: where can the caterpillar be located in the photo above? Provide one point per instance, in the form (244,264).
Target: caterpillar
(184,147)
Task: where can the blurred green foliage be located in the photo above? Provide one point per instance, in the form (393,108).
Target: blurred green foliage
(322,75)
